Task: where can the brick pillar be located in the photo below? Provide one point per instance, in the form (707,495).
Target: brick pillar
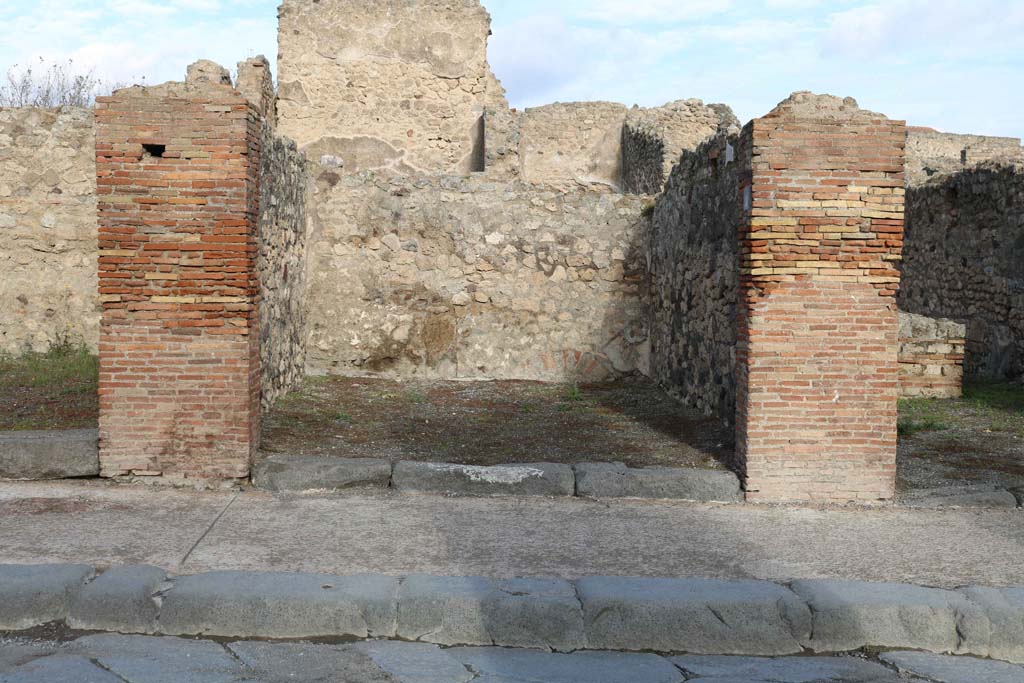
(817,369)
(177,175)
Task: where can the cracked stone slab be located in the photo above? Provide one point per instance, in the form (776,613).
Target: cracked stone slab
(785,669)
(482,611)
(49,454)
(119,599)
(152,659)
(17,652)
(313,473)
(615,480)
(1004,608)
(416,662)
(498,665)
(59,669)
(538,479)
(948,669)
(308,663)
(32,595)
(700,616)
(280,605)
(848,615)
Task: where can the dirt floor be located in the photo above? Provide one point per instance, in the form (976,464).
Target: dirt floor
(52,390)
(489,423)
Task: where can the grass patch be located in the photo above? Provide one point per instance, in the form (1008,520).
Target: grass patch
(55,389)
(986,406)
(911,427)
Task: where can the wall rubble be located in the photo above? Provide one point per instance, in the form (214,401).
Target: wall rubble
(47,228)
(964,259)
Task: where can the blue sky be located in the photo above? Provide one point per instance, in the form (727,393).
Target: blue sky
(957,65)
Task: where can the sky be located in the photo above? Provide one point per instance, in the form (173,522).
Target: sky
(955,65)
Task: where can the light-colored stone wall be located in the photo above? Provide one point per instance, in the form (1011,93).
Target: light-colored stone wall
(931,357)
(284,184)
(474,277)
(386,83)
(964,259)
(931,153)
(47,228)
(694,262)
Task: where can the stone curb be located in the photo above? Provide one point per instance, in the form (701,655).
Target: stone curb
(694,616)
(49,455)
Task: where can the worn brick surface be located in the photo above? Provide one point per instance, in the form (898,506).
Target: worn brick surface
(179,356)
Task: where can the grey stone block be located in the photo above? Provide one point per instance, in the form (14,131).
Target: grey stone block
(700,616)
(280,605)
(538,479)
(148,659)
(849,615)
(615,480)
(308,473)
(32,595)
(946,669)
(960,497)
(415,662)
(16,653)
(1004,608)
(59,669)
(496,664)
(308,663)
(479,611)
(49,455)
(785,669)
(120,599)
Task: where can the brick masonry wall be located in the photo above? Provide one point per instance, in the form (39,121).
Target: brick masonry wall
(931,357)
(694,272)
(179,352)
(817,371)
(964,259)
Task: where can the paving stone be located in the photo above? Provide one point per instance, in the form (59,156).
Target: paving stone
(59,669)
(119,599)
(947,669)
(31,595)
(960,496)
(16,652)
(700,616)
(280,605)
(785,669)
(539,479)
(50,454)
(1004,608)
(308,663)
(416,662)
(615,480)
(153,659)
(849,615)
(499,665)
(481,611)
(307,473)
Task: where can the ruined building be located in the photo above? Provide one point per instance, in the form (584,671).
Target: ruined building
(387,213)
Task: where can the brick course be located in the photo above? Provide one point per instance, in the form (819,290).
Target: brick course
(178,201)
(817,371)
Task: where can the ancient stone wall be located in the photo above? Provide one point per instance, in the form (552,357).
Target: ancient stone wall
(282,265)
(964,259)
(931,357)
(386,83)
(817,372)
(931,153)
(474,277)
(47,228)
(694,271)
(178,202)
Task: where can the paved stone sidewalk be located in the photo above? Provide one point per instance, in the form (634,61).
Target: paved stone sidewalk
(146,659)
(185,531)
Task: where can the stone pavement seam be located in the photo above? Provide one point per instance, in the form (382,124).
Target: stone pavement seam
(206,533)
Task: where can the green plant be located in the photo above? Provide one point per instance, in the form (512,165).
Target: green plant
(910,427)
(648,209)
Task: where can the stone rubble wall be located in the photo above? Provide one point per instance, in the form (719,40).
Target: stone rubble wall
(694,263)
(282,265)
(474,277)
(47,228)
(931,357)
(931,153)
(964,259)
(386,83)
